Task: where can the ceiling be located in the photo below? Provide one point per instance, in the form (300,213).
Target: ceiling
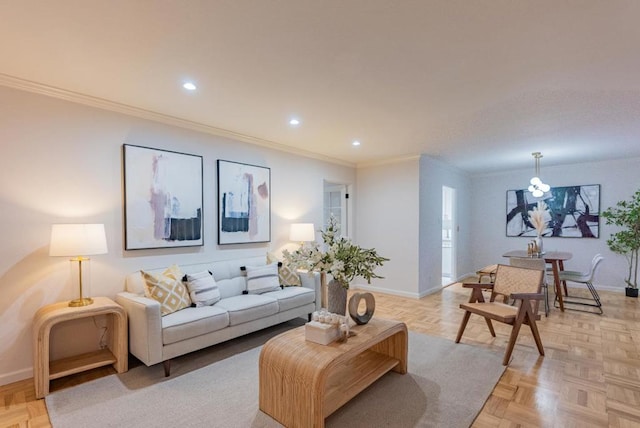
(478,84)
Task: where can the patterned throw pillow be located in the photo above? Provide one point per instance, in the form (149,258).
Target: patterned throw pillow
(261,279)
(168,289)
(287,275)
(202,288)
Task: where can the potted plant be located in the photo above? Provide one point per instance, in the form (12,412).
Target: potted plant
(626,215)
(341,258)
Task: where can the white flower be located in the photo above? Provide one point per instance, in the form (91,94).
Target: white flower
(341,258)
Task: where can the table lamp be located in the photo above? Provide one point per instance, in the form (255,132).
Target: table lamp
(302,232)
(78,241)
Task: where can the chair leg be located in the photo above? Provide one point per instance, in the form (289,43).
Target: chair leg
(546,299)
(594,293)
(463,325)
(536,334)
(493,333)
(522,313)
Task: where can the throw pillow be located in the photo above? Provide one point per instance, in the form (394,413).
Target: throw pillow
(261,279)
(202,288)
(168,289)
(287,275)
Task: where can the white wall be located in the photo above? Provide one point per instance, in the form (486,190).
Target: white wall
(61,162)
(618,181)
(433,175)
(387,219)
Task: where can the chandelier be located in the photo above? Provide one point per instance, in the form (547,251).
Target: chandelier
(537,187)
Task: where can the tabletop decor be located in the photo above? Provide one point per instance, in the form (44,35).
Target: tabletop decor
(341,258)
(626,215)
(539,219)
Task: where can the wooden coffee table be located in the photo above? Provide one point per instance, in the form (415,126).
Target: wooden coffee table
(301,383)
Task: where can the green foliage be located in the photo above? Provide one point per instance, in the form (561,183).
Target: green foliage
(341,258)
(626,215)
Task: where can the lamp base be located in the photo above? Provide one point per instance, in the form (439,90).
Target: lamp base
(85,301)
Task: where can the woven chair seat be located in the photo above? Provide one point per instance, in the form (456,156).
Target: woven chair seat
(494,310)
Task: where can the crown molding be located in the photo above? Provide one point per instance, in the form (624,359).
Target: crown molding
(387,161)
(104,104)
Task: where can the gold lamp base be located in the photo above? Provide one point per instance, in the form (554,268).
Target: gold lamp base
(85,301)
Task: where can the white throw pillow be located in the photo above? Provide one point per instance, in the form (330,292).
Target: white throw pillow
(261,279)
(202,288)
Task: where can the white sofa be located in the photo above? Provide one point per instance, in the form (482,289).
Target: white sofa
(154,338)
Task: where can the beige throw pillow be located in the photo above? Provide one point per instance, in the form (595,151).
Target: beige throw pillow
(287,276)
(168,289)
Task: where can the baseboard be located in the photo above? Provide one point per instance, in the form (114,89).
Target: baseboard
(386,291)
(7,378)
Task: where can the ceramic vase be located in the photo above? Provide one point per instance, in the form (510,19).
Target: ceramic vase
(336,297)
(539,244)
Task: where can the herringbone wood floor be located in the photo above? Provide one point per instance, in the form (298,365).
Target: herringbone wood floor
(589,377)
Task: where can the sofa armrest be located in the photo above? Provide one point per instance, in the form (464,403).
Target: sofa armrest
(312,280)
(145,327)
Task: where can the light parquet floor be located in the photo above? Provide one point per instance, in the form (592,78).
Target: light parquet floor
(589,377)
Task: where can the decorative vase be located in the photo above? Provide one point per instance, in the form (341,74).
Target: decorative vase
(354,303)
(336,297)
(539,244)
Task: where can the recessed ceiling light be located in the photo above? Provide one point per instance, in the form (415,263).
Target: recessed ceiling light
(294,122)
(355,143)
(189,86)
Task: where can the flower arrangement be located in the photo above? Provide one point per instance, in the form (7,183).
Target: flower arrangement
(342,258)
(539,217)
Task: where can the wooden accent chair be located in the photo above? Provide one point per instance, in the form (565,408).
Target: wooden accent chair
(523,287)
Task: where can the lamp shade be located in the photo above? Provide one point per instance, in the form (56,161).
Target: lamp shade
(77,240)
(302,232)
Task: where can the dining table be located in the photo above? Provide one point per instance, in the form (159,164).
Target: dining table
(556,259)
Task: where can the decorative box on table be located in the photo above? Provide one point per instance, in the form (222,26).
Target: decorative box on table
(322,333)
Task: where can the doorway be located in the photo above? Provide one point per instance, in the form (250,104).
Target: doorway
(448,235)
(335,203)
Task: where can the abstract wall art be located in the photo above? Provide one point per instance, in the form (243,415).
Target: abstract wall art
(244,203)
(574,212)
(162,198)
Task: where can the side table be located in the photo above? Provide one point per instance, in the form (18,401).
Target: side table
(116,353)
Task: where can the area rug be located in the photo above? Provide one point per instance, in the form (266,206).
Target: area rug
(446,386)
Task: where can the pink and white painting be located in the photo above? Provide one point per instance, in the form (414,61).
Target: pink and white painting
(244,203)
(163,198)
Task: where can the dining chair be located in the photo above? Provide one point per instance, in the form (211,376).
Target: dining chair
(587,279)
(520,285)
(534,263)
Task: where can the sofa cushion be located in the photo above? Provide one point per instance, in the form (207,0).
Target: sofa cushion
(203,289)
(292,297)
(286,274)
(261,279)
(168,289)
(248,307)
(192,322)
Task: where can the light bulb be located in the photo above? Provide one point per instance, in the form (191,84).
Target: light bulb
(535,181)
(537,193)
(544,187)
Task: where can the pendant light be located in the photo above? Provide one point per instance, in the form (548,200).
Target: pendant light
(537,187)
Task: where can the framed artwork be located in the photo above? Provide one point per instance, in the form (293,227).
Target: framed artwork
(162,198)
(244,203)
(574,212)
